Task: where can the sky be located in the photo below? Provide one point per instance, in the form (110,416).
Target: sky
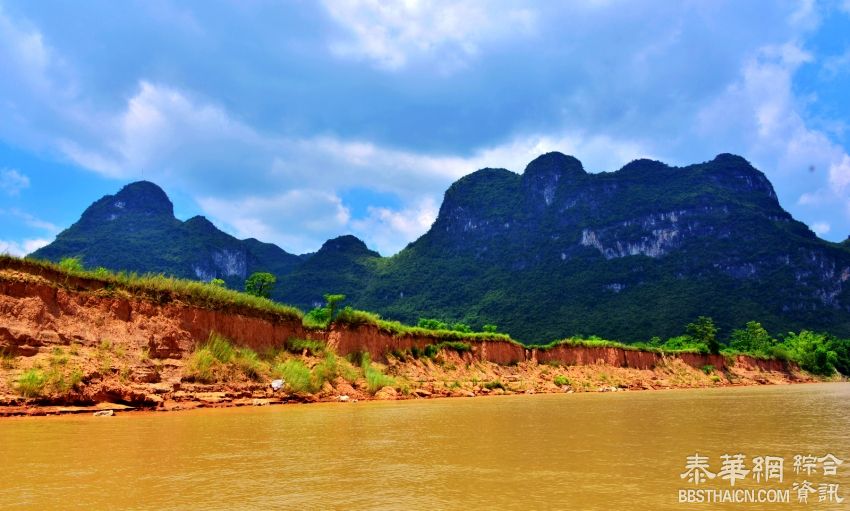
(295,122)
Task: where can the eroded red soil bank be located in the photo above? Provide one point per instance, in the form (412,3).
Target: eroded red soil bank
(132,349)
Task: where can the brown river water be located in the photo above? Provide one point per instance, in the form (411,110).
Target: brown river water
(624,450)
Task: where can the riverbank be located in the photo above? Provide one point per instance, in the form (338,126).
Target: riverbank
(73,345)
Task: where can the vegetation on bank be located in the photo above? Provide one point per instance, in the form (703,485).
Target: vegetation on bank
(819,353)
(157,287)
(218,361)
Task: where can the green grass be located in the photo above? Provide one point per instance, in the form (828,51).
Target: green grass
(156,287)
(218,360)
(375,378)
(7,360)
(560,380)
(300,345)
(296,375)
(707,369)
(353,318)
(495,384)
(161,289)
(31,383)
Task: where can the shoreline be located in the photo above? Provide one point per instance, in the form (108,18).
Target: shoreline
(194,396)
(118,409)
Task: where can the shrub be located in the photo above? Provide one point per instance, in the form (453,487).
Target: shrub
(300,345)
(319,317)
(561,380)
(218,283)
(200,366)
(7,360)
(431,350)
(248,363)
(296,375)
(707,369)
(332,302)
(71,265)
(31,383)
(375,378)
(495,384)
(220,348)
(432,324)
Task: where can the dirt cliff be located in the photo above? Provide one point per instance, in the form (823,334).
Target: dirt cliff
(99,345)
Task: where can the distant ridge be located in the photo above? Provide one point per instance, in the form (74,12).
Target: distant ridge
(549,253)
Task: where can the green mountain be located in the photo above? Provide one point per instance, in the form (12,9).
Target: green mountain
(135,230)
(553,252)
(626,255)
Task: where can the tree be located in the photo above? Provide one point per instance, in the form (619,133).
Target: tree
(492,329)
(704,332)
(752,339)
(71,264)
(332,303)
(260,284)
(218,283)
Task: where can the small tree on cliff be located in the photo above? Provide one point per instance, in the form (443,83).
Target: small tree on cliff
(333,302)
(260,284)
(704,332)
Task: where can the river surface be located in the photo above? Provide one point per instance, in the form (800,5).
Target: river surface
(624,450)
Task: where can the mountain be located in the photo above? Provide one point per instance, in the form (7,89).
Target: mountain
(342,265)
(135,230)
(629,254)
(552,252)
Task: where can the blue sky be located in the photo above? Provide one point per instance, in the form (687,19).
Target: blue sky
(294,122)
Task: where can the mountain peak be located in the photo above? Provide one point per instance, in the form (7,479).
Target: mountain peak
(554,164)
(548,173)
(347,243)
(201,223)
(143,197)
(731,159)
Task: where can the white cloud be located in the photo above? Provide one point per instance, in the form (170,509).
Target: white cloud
(390,33)
(297,220)
(390,230)
(22,248)
(839,174)
(12,181)
(286,190)
(761,115)
(820,228)
(31,220)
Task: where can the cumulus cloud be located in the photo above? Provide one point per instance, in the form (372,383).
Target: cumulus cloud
(390,230)
(839,174)
(22,248)
(286,189)
(12,181)
(391,33)
(578,79)
(820,228)
(298,220)
(760,115)
(30,220)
